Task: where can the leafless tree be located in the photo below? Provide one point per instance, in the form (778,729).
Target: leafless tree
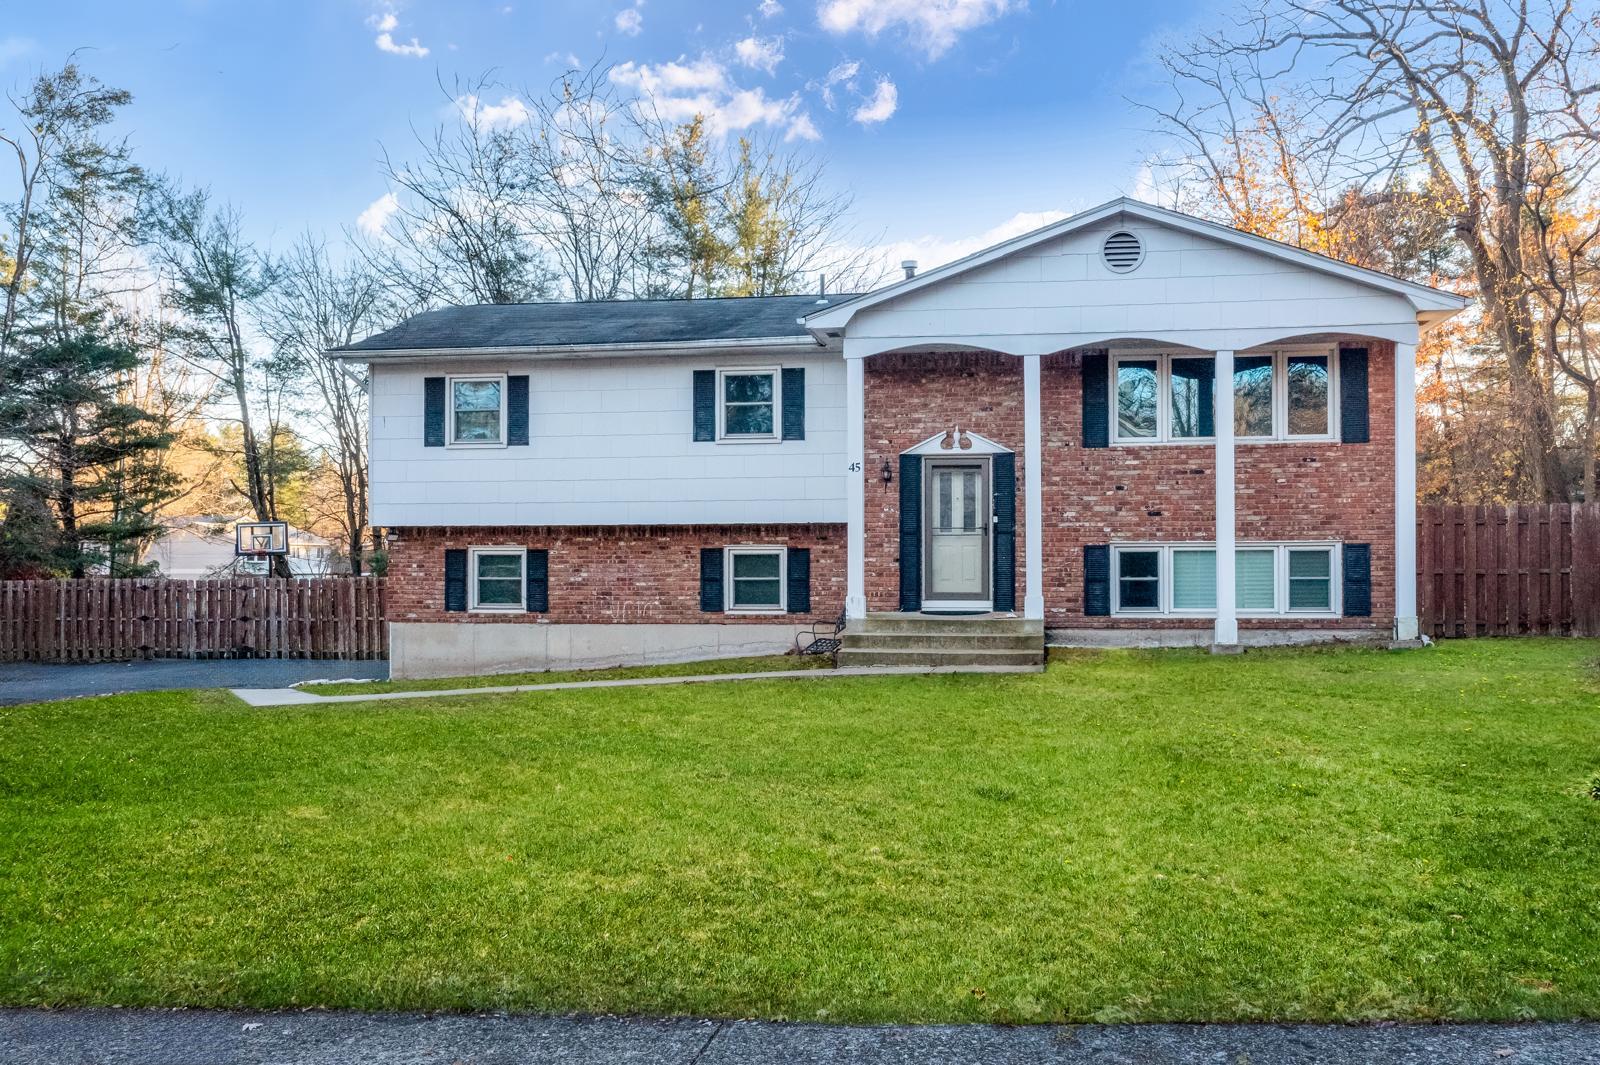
(312,306)
(1472,92)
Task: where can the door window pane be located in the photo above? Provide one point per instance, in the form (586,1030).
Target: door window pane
(1194,580)
(969,501)
(757,580)
(1253,578)
(477,411)
(1252,395)
(500,579)
(1308,395)
(1193,382)
(747,404)
(1310,579)
(1136,398)
(1138,580)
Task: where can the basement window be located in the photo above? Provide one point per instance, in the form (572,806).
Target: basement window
(755,580)
(1180,580)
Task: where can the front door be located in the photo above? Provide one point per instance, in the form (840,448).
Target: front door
(957,506)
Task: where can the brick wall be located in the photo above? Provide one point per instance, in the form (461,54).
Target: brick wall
(1160,492)
(616,574)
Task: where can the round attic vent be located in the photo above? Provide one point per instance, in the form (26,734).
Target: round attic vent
(1122,251)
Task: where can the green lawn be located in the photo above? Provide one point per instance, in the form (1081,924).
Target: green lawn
(1165,835)
(759,664)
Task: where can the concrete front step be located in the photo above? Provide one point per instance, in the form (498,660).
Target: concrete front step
(944,641)
(855,656)
(945,625)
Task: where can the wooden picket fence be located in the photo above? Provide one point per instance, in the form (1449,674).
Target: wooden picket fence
(98,620)
(1509,570)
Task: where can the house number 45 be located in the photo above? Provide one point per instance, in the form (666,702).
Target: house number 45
(855,467)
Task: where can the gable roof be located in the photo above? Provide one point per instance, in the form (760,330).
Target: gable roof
(1431,303)
(596,326)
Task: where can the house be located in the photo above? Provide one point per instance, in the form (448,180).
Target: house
(202,546)
(1130,426)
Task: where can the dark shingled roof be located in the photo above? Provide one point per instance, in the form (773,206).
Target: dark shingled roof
(610,322)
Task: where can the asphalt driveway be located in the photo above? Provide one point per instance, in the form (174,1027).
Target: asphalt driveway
(28,682)
(190,1037)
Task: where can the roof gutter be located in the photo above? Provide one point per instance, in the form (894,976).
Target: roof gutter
(797,344)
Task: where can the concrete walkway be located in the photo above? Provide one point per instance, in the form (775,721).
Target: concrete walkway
(192,1037)
(30,682)
(296,697)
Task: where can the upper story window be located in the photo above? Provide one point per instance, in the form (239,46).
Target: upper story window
(748,404)
(477,411)
(1170,398)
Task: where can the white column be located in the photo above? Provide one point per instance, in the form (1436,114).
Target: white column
(1033,491)
(1405,492)
(1226,634)
(855,495)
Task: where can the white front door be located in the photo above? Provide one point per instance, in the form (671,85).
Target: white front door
(956,505)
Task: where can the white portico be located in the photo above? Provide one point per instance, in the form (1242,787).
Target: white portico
(1127,276)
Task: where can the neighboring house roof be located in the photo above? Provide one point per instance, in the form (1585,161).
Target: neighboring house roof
(599,326)
(1431,304)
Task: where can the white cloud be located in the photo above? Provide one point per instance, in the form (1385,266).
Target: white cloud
(760,53)
(629,21)
(843,73)
(372,220)
(770,8)
(931,25)
(885,98)
(569,59)
(680,90)
(930,251)
(510,111)
(386,21)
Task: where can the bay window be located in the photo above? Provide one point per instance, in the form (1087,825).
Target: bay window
(1181,579)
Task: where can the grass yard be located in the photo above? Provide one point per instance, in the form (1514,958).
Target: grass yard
(1163,835)
(758,664)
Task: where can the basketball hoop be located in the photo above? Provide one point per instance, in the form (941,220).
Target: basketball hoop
(254,542)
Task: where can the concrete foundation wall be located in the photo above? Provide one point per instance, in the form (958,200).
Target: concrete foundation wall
(442,649)
(1191,637)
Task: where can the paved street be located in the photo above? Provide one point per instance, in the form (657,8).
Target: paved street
(194,1037)
(26,682)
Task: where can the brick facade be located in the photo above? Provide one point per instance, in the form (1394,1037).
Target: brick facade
(1163,492)
(612,574)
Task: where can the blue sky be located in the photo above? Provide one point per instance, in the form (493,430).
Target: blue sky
(948,120)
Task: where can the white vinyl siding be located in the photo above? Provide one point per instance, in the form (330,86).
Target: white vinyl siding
(1180,580)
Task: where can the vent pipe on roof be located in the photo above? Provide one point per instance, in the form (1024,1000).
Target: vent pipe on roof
(910,267)
(822,290)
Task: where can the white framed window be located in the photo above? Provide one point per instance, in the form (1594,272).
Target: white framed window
(476,407)
(497,579)
(1165,398)
(755,580)
(1180,580)
(749,404)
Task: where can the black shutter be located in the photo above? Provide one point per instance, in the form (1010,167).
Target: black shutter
(1096,401)
(1203,372)
(794,403)
(705,405)
(1353,422)
(910,532)
(517,410)
(1097,580)
(799,574)
(1004,475)
(433,412)
(1357,567)
(538,581)
(455,580)
(711,601)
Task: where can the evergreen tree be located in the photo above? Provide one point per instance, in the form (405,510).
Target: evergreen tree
(90,454)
